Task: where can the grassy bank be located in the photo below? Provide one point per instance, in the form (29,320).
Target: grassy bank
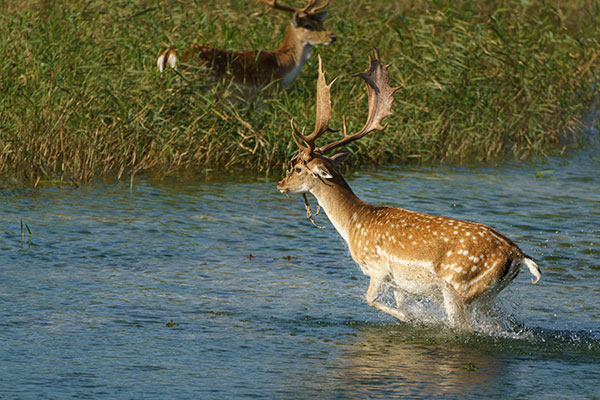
(80,94)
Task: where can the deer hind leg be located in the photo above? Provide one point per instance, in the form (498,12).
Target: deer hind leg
(400,298)
(489,315)
(455,308)
(375,285)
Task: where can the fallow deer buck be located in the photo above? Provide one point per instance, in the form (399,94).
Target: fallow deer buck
(252,70)
(453,261)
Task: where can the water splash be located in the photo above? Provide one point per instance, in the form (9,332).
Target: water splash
(499,321)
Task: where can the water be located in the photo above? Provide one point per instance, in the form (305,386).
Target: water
(266,306)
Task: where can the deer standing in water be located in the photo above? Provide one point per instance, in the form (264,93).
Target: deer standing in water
(453,261)
(254,69)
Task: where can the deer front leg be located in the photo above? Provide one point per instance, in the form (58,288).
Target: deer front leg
(373,292)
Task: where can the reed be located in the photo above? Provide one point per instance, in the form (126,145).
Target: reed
(481,81)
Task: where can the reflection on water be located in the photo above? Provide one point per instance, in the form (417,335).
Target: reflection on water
(409,362)
(403,361)
(265,305)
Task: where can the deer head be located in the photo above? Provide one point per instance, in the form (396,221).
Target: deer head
(311,168)
(307,22)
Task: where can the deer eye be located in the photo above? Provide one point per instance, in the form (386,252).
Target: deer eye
(306,25)
(298,169)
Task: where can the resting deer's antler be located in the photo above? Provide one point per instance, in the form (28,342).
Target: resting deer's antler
(310,7)
(381,97)
(276,6)
(323,114)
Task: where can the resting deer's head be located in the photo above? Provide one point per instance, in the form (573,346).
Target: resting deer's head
(307,22)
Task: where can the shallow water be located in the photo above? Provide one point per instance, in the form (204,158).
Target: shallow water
(264,305)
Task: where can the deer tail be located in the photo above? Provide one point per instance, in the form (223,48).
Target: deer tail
(533,268)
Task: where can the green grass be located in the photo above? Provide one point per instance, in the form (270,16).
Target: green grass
(481,81)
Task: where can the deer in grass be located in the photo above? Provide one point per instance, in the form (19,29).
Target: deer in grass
(453,261)
(253,69)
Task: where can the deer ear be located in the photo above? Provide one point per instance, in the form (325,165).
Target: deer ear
(321,171)
(321,15)
(339,158)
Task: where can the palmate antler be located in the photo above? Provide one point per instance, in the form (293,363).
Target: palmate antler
(323,114)
(309,8)
(381,97)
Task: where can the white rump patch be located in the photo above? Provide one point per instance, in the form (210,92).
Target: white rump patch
(159,63)
(172,60)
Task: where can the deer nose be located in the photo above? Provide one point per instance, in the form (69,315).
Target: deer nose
(332,38)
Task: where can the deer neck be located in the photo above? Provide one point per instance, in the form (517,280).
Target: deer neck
(340,204)
(291,56)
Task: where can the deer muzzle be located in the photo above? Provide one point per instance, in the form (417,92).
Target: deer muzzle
(281,187)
